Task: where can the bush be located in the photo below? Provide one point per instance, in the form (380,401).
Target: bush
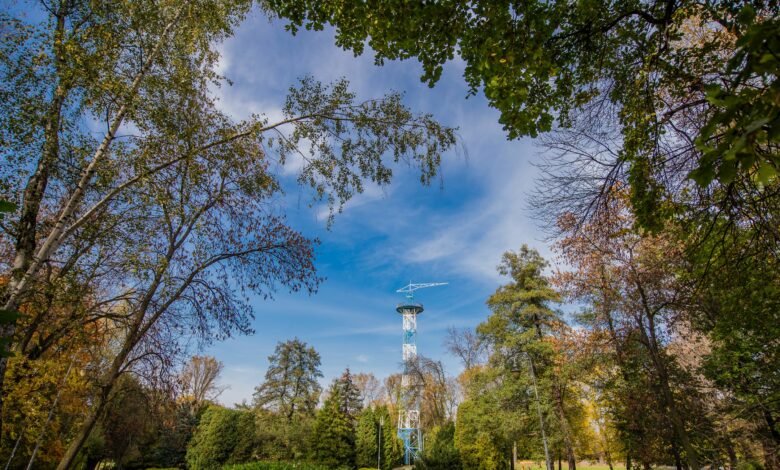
(223,436)
(278,466)
(749,465)
(441,453)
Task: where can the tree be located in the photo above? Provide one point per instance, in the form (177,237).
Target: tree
(127,425)
(658,64)
(78,62)
(290,384)
(440,453)
(351,401)
(465,345)
(279,439)
(392,446)
(366,439)
(223,437)
(369,387)
(479,436)
(632,283)
(333,442)
(199,379)
(523,326)
(436,390)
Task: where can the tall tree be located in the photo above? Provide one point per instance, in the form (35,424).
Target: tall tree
(523,326)
(638,298)
(223,437)
(84,203)
(441,454)
(351,401)
(291,384)
(367,439)
(199,379)
(334,435)
(369,387)
(464,343)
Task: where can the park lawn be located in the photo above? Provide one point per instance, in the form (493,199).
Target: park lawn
(531,465)
(260,465)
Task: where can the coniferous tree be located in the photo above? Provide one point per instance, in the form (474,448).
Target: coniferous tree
(523,331)
(441,453)
(333,442)
(366,439)
(291,385)
(351,399)
(392,447)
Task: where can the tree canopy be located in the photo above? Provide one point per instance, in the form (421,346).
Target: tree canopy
(667,66)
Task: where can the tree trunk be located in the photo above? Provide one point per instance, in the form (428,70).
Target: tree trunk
(676,453)
(628,460)
(731,453)
(26,234)
(651,342)
(83,432)
(567,441)
(27,261)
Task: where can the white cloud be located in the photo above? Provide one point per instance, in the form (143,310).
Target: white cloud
(471,242)
(362,358)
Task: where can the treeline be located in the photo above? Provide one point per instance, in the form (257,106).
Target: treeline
(627,378)
(292,419)
(177,422)
(610,360)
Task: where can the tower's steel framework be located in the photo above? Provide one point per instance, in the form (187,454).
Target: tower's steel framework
(409,430)
(409,406)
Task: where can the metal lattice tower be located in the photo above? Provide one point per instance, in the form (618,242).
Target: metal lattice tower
(409,430)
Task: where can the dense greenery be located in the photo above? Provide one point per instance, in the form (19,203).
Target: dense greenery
(333,439)
(278,466)
(440,453)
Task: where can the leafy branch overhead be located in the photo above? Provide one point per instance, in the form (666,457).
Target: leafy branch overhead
(695,84)
(342,142)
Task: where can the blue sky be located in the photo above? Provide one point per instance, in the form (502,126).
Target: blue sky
(453,231)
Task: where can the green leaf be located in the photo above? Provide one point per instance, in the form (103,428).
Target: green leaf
(7,206)
(9,316)
(766,173)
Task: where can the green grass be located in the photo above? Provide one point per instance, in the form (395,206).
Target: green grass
(276,466)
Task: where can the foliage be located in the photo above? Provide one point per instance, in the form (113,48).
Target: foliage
(199,379)
(745,123)
(478,436)
(279,466)
(655,62)
(351,401)
(290,384)
(392,446)
(333,438)
(128,424)
(366,439)
(166,220)
(30,397)
(440,452)
(281,439)
(223,436)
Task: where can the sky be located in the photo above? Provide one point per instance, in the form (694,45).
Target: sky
(453,231)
